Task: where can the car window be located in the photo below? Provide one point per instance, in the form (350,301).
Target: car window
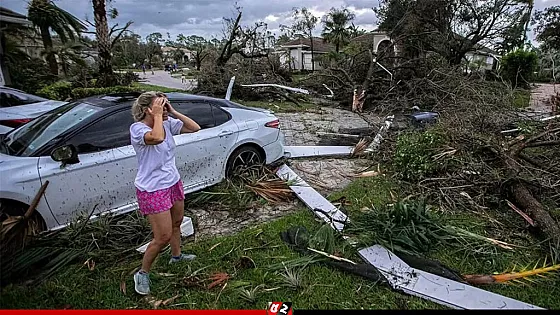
(201,113)
(15,98)
(220,116)
(29,138)
(9,100)
(108,133)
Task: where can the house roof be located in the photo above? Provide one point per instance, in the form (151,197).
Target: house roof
(9,16)
(368,37)
(319,45)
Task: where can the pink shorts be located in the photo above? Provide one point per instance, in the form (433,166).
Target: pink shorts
(159,200)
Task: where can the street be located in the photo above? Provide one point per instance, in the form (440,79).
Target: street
(163,78)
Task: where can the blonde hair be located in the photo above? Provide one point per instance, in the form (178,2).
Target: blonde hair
(142,102)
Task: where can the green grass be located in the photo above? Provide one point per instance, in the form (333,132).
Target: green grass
(322,287)
(150,87)
(279,107)
(521,98)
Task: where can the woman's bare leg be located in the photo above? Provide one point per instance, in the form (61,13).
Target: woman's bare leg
(161,228)
(177,213)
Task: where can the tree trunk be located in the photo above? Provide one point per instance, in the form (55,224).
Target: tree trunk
(534,208)
(106,76)
(198,62)
(337,47)
(48,45)
(312,52)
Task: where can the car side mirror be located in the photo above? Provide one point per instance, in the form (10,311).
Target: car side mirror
(66,154)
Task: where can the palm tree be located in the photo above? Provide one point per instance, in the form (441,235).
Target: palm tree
(69,53)
(46,16)
(106,76)
(336,30)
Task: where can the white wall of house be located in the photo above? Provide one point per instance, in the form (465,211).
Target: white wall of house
(295,58)
(485,61)
(307,61)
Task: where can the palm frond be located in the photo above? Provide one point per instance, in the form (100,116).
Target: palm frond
(513,276)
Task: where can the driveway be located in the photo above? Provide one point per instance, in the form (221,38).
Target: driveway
(164,79)
(539,106)
(326,175)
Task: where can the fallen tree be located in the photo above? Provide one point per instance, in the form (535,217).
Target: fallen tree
(466,161)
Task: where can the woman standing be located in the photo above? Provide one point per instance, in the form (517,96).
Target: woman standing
(159,188)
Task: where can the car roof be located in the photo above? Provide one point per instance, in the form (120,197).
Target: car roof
(111,100)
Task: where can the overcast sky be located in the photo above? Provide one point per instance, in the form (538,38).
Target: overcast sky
(204,17)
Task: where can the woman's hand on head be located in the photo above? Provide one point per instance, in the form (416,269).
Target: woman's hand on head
(157,107)
(170,108)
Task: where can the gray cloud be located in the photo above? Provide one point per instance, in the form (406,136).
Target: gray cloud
(204,17)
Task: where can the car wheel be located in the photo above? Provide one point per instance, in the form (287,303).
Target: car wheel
(14,235)
(243,156)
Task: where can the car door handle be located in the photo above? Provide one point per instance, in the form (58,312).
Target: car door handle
(225,133)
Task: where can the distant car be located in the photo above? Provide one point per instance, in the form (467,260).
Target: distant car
(83,149)
(18,108)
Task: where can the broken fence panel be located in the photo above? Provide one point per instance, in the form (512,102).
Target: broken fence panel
(187,229)
(302,151)
(297,90)
(312,199)
(435,288)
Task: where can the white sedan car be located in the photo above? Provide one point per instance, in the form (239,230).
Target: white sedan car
(18,108)
(83,149)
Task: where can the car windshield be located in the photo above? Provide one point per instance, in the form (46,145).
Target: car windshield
(27,139)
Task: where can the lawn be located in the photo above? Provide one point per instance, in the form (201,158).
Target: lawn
(149,87)
(318,286)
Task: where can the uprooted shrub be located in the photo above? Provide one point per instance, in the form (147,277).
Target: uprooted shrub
(416,154)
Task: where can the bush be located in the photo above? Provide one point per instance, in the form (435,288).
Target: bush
(60,91)
(518,67)
(414,154)
(29,75)
(126,78)
(78,93)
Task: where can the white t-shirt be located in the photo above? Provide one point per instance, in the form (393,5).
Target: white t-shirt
(156,163)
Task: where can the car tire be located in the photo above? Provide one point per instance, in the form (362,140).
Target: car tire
(244,155)
(18,235)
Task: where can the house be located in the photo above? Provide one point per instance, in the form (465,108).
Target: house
(8,18)
(296,54)
(483,58)
(379,40)
(168,54)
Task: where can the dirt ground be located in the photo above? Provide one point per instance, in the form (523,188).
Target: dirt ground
(327,175)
